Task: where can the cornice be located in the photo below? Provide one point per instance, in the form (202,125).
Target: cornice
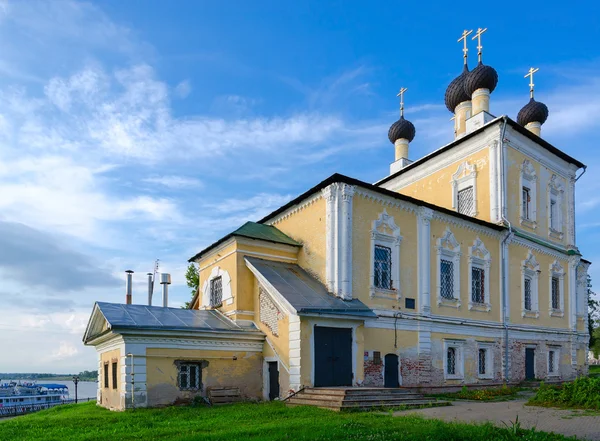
(295,209)
(456,221)
(531,245)
(386,201)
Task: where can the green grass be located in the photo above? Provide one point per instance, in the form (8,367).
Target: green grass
(488,394)
(582,393)
(268,421)
(594,370)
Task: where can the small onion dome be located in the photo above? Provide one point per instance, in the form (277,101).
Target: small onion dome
(533,111)
(482,77)
(455,93)
(402,128)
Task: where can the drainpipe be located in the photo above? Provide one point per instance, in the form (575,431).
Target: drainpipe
(504,254)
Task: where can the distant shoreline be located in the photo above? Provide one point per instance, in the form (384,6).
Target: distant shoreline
(45,377)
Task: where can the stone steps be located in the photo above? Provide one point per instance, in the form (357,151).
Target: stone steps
(360,398)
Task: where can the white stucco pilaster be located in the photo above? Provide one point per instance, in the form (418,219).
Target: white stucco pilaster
(494,182)
(345,233)
(330,196)
(424,249)
(570,196)
(133,375)
(573,262)
(295,354)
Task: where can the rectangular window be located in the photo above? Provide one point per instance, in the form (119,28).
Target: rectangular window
(526,202)
(383,267)
(466,201)
(555,293)
(477,285)
(451,361)
(482,359)
(106,375)
(190,376)
(527,293)
(551,366)
(114,375)
(553,214)
(447,279)
(216,291)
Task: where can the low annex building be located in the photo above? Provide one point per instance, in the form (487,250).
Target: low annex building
(460,267)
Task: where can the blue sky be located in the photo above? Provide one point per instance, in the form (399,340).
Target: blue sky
(137,130)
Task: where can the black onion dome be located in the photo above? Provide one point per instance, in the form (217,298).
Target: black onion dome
(482,77)
(455,92)
(402,128)
(533,111)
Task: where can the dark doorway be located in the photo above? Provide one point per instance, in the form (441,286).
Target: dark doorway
(529,363)
(390,377)
(273,380)
(333,356)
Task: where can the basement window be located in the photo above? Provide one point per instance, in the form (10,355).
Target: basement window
(553,361)
(189,376)
(114,375)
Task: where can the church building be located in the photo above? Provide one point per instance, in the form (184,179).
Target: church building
(458,268)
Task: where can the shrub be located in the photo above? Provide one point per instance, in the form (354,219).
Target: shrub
(483,394)
(584,392)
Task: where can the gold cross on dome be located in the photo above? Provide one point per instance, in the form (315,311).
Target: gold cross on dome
(465,34)
(401,95)
(530,75)
(477,35)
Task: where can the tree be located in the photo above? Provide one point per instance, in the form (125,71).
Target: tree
(192,278)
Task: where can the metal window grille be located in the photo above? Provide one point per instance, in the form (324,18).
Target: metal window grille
(216,291)
(383,267)
(451,361)
(527,294)
(555,293)
(551,361)
(189,376)
(477,285)
(114,375)
(447,279)
(482,366)
(526,201)
(466,201)
(106,375)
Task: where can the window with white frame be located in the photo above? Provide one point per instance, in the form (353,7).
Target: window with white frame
(448,263)
(385,258)
(453,360)
(464,189)
(189,375)
(556,294)
(528,195)
(479,277)
(216,292)
(530,270)
(555,204)
(485,361)
(217,283)
(553,362)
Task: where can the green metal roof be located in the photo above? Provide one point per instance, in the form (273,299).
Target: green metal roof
(252,230)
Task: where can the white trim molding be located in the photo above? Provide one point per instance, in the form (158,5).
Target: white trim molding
(459,360)
(530,268)
(423,255)
(227,298)
(465,177)
(528,179)
(386,233)
(448,248)
(556,271)
(556,192)
(480,257)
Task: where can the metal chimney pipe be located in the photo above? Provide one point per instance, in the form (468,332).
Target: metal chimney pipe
(165,281)
(128,286)
(150,288)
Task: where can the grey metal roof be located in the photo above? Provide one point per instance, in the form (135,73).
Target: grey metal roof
(305,293)
(155,317)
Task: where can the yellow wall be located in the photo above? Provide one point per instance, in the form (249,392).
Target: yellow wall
(517,254)
(377,339)
(364,212)
(111,397)
(222,371)
(307,226)
(514,162)
(227,263)
(437,187)
(281,342)
(466,238)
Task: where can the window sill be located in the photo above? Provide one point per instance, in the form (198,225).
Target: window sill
(454,377)
(553,375)
(382,293)
(486,377)
(530,314)
(481,307)
(529,223)
(555,234)
(452,303)
(557,313)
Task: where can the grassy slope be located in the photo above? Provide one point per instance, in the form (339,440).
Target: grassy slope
(271,421)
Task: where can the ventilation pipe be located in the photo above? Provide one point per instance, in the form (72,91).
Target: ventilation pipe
(128,286)
(150,288)
(165,281)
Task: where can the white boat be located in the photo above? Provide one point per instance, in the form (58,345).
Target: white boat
(28,394)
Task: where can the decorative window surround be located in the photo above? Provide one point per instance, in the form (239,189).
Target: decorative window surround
(459,365)
(227,297)
(448,248)
(553,360)
(556,270)
(465,176)
(385,233)
(528,179)
(489,360)
(479,257)
(530,268)
(556,193)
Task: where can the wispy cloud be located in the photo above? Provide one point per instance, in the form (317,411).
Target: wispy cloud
(176,182)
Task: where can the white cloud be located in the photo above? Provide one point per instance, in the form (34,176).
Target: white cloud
(176,182)
(65,350)
(183,89)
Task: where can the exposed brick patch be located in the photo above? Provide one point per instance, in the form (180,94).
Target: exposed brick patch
(269,313)
(373,373)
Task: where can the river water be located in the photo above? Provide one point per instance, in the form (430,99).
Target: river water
(85,389)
